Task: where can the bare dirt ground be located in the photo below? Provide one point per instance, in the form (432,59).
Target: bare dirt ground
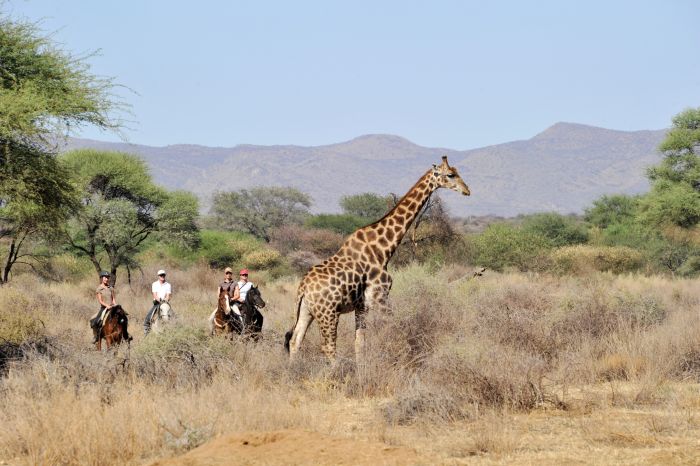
(293,447)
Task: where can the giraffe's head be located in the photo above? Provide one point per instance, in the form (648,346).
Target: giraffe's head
(447,177)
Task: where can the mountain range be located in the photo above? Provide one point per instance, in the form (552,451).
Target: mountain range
(562,169)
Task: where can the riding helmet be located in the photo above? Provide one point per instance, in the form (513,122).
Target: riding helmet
(104,274)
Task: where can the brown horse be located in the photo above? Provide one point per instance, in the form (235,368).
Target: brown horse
(114,329)
(225,320)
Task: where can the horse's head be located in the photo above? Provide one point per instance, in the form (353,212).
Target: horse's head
(223,303)
(118,312)
(253,296)
(165,311)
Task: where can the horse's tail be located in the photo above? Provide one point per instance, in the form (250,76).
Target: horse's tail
(288,335)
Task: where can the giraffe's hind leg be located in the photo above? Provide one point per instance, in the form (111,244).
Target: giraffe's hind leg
(329,334)
(303,322)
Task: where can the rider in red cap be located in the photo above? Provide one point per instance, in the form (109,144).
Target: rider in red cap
(243,286)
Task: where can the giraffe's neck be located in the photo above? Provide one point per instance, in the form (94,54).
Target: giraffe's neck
(390,230)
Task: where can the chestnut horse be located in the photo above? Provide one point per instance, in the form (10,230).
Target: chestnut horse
(225,320)
(114,329)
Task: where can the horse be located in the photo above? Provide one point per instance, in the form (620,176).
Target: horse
(161,316)
(114,328)
(252,318)
(224,320)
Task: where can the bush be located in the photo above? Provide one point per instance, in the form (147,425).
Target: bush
(559,230)
(221,249)
(293,238)
(340,223)
(502,245)
(262,259)
(17,325)
(67,267)
(584,258)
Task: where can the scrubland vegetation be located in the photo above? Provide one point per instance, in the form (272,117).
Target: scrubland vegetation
(479,368)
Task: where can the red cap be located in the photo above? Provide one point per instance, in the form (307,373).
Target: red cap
(243,272)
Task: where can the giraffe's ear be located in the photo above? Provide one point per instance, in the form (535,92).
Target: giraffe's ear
(436,170)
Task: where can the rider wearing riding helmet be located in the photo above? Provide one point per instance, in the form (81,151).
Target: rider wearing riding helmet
(162,291)
(107,298)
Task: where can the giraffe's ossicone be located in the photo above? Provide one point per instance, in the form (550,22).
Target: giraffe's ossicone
(356,278)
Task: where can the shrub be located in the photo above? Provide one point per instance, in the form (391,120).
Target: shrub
(17,325)
(67,267)
(585,258)
(340,223)
(502,245)
(557,229)
(262,259)
(291,238)
(221,249)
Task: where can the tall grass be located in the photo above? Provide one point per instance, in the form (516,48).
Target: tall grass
(452,351)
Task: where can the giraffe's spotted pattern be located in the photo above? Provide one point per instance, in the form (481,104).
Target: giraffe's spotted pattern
(356,278)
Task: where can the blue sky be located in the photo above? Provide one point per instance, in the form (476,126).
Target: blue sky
(454,74)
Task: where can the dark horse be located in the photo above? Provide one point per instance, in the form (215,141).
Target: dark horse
(115,326)
(252,318)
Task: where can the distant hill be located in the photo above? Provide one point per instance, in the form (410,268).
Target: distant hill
(562,169)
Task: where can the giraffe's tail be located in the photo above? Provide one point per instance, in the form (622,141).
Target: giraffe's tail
(288,335)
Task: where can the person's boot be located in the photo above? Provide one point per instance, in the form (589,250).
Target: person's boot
(95,329)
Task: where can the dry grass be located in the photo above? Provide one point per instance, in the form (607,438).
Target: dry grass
(507,368)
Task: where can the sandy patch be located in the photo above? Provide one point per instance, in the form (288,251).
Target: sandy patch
(293,447)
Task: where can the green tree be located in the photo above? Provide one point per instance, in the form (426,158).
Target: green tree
(609,210)
(366,205)
(44,93)
(340,223)
(675,194)
(259,210)
(558,229)
(121,208)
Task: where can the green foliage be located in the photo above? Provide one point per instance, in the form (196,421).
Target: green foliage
(35,199)
(557,229)
(671,204)
(610,210)
(121,207)
(502,245)
(340,223)
(369,206)
(45,91)
(675,195)
(259,210)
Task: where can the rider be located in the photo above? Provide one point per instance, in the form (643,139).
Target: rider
(228,285)
(107,299)
(243,286)
(162,291)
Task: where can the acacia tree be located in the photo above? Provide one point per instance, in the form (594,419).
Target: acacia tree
(675,195)
(369,206)
(259,210)
(120,207)
(44,92)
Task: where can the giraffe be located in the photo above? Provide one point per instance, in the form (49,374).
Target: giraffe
(356,277)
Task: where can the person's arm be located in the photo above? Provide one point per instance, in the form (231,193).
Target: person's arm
(236,293)
(114,296)
(169,292)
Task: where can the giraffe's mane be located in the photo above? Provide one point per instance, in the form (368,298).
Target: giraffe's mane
(420,180)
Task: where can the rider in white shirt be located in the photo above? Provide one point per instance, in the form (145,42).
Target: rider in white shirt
(243,287)
(161,291)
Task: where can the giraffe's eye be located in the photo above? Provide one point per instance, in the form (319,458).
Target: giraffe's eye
(450,175)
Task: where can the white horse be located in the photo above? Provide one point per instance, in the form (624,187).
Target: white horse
(161,317)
